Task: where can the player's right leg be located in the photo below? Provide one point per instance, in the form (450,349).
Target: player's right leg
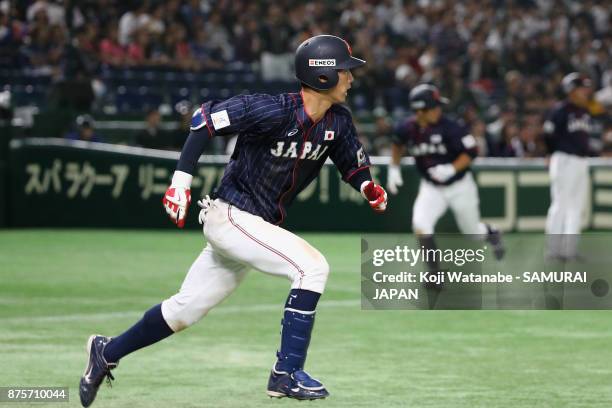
(429,206)
(276,251)
(211,278)
(560,200)
(464,201)
(577,190)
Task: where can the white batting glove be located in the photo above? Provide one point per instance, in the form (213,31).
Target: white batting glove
(394,178)
(442,172)
(205,204)
(178,197)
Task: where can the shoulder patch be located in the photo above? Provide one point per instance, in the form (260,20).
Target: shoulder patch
(361,157)
(197,120)
(220,119)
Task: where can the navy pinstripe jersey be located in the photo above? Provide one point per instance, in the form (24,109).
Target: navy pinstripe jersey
(568,128)
(437,144)
(279,149)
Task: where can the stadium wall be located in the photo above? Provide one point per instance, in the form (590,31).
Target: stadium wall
(59,183)
(5,135)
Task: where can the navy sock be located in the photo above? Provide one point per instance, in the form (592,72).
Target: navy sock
(301,299)
(297,324)
(148,330)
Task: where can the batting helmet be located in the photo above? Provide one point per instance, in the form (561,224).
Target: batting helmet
(318,59)
(85,120)
(574,80)
(426,96)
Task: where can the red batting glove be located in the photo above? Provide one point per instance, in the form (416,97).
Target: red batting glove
(178,197)
(376,196)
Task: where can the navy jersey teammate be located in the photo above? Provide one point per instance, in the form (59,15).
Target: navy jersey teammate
(443,152)
(282,143)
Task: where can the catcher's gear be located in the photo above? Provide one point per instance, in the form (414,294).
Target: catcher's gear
(375,194)
(318,59)
(426,96)
(177,198)
(442,172)
(394,178)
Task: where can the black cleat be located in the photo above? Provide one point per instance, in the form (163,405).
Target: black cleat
(494,238)
(299,385)
(96,370)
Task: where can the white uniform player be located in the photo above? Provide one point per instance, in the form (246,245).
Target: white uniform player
(443,152)
(283,141)
(567,129)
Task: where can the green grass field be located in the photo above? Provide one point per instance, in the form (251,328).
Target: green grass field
(57,287)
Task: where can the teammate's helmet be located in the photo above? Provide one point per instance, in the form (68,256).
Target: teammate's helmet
(426,96)
(574,80)
(318,59)
(85,120)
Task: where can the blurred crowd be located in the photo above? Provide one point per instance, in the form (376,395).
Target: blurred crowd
(500,62)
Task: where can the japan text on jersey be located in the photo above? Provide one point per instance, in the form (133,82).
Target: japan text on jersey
(568,129)
(437,144)
(279,150)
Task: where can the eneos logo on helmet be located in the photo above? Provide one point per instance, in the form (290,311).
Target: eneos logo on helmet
(321,62)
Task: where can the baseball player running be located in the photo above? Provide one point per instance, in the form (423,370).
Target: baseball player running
(443,152)
(567,129)
(283,141)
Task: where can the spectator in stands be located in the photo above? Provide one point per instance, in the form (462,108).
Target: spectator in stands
(180,50)
(38,52)
(606,139)
(531,144)
(498,57)
(156,25)
(54,12)
(383,133)
(86,49)
(218,35)
(205,57)
(138,49)
(276,34)
(193,14)
(483,140)
(510,145)
(248,44)
(6,32)
(133,21)
(111,52)
(153,136)
(84,130)
(409,23)
(514,98)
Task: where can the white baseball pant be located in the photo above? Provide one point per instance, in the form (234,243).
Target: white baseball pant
(432,202)
(569,178)
(237,242)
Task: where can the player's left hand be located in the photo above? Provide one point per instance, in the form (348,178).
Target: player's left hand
(442,172)
(178,197)
(376,196)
